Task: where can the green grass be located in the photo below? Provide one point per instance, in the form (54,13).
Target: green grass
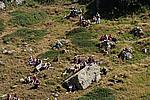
(24,18)
(59,19)
(127,37)
(83,39)
(51,54)
(25,34)
(99,94)
(145,97)
(2,26)
(138,54)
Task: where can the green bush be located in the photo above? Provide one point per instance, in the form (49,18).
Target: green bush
(24,18)
(99,94)
(2,26)
(25,34)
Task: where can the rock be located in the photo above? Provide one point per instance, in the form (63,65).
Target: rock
(10,52)
(2,63)
(22,80)
(84,78)
(13,87)
(18,2)
(5,52)
(2,5)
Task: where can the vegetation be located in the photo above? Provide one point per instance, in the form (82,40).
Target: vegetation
(83,38)
(24,34)
(45,1)
(24,18)
(51,54)
(32,22)
(99,94)
(2,26)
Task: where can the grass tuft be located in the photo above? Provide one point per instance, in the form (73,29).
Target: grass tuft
(24,18)
(83,39)
(24,34)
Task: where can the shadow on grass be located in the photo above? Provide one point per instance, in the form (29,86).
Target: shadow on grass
(99,94)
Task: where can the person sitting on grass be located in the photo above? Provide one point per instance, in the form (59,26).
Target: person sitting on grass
(57,45)
(36,82)
(91,60)
(15,97)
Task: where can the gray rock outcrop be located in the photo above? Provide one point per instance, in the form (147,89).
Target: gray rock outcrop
(84,78)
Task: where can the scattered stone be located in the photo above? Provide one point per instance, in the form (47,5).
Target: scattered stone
(9,52)
(2,63)
(18,2)
(2,5)
(5,52)
(22,80)
(13,87)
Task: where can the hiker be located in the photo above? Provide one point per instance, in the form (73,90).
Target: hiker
(28,79)
(110,37)
(9,97)
(36,82)
(98,19)
(31,60)
(58,45)
(15,97)
(104,71)
(75,60)
(71,87)
(94,19)
(91,59)
(137,31)
(125,54)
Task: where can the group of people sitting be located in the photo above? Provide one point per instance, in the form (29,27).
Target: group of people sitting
(79,63)
(137,31)
(38,64)
(81,60)
(10,97)
(31,80)
(74,12)
(107,42)
(84,22)
(125,54)
(96,19)
(107,38)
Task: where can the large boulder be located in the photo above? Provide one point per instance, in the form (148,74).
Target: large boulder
(84,78)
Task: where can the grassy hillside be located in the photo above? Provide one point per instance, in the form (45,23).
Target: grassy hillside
(32,30)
